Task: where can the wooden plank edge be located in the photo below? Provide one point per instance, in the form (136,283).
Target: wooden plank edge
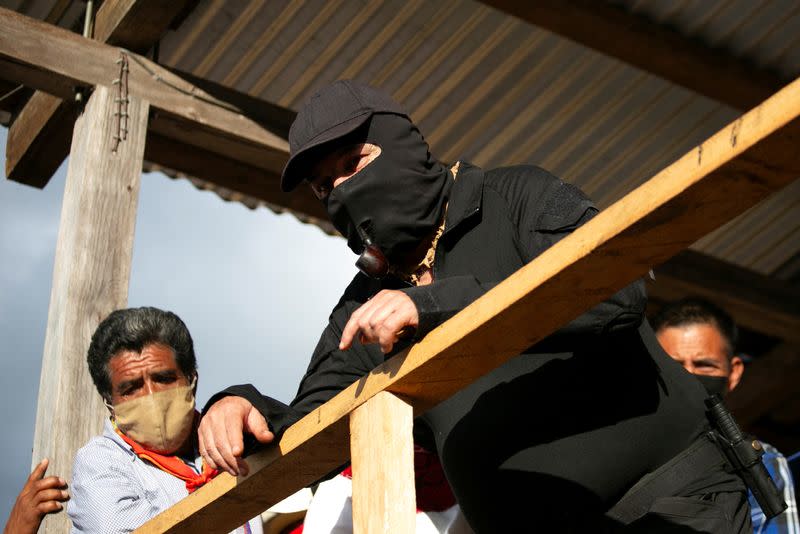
(233,175)
(64,60)
(47,121)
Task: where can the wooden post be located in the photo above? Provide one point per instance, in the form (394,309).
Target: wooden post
(382,452)
(90,276)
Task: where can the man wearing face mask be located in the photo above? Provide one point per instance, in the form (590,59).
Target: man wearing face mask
(143,364)
(702,337)
(555,438)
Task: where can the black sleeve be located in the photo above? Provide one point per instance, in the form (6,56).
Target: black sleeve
(279,416)
(544,211)
(332,370)
(329,371)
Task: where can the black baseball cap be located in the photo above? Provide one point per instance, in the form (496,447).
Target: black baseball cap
(331,113)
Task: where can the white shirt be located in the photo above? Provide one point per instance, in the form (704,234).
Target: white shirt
(115,491)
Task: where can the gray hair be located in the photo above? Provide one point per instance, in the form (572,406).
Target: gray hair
(133,329)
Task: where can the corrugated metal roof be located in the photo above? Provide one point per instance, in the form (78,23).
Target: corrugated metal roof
(489,88)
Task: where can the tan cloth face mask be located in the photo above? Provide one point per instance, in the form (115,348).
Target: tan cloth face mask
(160,421)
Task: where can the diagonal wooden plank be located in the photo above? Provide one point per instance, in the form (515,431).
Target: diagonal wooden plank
(651,47)
(48,58)
(235,176)
(38,140)
(730,172)
(197,127)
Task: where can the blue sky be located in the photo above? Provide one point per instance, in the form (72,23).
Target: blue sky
(254,288)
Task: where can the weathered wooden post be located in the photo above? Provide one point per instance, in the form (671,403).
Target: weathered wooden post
(91,271)
(382,453)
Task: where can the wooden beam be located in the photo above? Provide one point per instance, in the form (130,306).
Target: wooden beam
(90,277)
(649,46)
(727,174)
(38,140)
(755,301)
(382,451)
(56,61)
(136,24)
(234,175)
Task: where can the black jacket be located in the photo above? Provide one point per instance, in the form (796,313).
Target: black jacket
(575,420)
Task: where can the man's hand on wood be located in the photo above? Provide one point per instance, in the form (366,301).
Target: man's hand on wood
(381,320)
(221,433)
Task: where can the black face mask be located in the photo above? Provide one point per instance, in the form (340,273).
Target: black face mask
(715,385)
(398,199)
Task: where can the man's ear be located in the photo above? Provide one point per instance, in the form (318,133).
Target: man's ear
(737,369)
(194,380)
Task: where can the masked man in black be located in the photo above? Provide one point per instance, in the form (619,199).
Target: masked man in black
(554,438)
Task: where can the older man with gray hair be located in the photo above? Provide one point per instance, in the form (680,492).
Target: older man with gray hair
(143,364)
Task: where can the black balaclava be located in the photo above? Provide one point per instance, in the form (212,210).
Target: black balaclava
(399,198)
(715,385)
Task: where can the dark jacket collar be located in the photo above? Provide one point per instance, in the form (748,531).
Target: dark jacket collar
(465,195)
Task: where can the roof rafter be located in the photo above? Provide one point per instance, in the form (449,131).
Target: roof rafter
(651,47)
(221,123)
(38,140)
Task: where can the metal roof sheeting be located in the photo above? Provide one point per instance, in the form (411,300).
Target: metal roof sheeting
(492,89)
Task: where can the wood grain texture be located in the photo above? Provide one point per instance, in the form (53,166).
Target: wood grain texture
(736,168)
(136,24)
(54,60)
(235,176)
(47,121)
(382,455)
(90,278)
(38,140)
(651,47)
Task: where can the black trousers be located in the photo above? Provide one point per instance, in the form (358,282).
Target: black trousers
(719,513)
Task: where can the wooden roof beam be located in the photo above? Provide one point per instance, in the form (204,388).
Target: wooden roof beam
(755,301)
(39,138)
(727,174)
(649,46)
(210,122)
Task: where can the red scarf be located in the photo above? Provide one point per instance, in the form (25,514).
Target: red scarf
(171,464)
